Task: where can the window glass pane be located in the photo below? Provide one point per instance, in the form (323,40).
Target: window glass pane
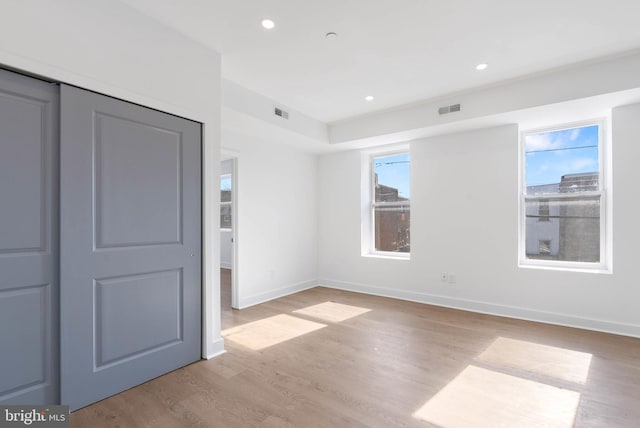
(391,178)
(562,161)
(570,231)
(392,228)
(225,216)
(225,188)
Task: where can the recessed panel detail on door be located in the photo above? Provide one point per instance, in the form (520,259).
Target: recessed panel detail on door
(136,314)
(131,211)
(22,188)
(23,351)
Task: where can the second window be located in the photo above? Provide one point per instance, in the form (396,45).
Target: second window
(390,208)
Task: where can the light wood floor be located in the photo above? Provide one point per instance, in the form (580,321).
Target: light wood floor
(225,288)
(365,361)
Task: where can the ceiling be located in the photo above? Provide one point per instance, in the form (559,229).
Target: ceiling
(401,51)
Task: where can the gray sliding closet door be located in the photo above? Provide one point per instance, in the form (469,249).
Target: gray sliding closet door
(28,240)
(130,245)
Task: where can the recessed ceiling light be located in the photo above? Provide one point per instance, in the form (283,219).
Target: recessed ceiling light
(369,98)
(481,66)
(331,35)
(268,24)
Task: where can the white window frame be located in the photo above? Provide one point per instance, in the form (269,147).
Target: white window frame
(369,204)
(604,183)
(227,203)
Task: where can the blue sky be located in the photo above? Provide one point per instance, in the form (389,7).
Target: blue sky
(550,155)
(225,182)
(393,171)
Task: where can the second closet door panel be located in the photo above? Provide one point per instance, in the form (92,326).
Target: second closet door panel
(130,247)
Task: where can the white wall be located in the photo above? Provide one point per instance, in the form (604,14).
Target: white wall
(465,221)
(226,167)
(276,218)
(105,46)
(226,248)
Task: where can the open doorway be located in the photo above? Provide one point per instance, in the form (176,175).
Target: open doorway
(228,226)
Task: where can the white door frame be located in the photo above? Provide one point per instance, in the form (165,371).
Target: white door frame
(235,285)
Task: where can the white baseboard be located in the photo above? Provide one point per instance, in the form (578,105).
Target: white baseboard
(277,293)
(216,349)
(489,308)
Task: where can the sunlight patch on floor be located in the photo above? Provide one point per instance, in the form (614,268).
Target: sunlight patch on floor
(332,312)
(549,361)
(484,398)
(270,331)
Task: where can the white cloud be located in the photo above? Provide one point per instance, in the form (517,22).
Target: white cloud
(538,142)
(575,133)
(552,140)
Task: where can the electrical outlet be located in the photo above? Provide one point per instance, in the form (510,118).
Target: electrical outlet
(452,278)
(444,277)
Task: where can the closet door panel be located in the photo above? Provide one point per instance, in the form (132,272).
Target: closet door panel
(28,240)
(131,245)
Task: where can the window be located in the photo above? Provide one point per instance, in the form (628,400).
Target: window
(225,201)
(543,210)
(544,247)
(563,197)
(390,204)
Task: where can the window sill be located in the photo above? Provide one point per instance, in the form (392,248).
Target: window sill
(388,256)
(568,268)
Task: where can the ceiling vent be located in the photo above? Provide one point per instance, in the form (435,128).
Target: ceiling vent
(449,109)
(282,113)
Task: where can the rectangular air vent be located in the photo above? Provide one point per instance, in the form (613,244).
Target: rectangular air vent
(282,113)
(449,109)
